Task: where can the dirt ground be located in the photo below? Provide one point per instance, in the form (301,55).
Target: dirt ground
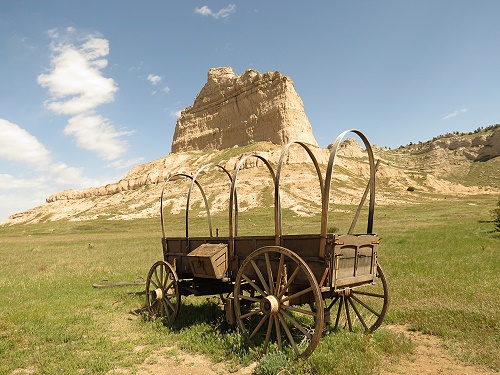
(430,358)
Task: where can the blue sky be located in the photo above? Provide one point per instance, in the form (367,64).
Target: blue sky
(88,89)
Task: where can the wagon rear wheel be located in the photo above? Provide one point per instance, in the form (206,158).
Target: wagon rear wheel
(162,291)
(273,290)
(361,307)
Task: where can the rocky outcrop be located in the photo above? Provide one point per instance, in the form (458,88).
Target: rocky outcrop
(242,109)
(479,148)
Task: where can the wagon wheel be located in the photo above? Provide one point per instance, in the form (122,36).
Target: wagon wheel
(267,283)
(363,306)
(162,291)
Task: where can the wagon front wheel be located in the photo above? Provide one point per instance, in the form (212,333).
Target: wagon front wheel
(162,291)
(273,290)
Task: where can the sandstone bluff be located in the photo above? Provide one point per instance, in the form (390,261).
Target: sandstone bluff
(242,109)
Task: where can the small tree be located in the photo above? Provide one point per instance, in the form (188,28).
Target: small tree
(496,216)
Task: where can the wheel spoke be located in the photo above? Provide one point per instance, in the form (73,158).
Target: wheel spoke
(248,298)
(289,335)
(169,304)
(152,282)
(296,324)
(261,277)
(269,273)
(169,285)
(339,311)
(268,333)
(280,273)
(156,276)
(251,313)
(358,314)
(300,311)
(333,302)
(368,294)
(290,281)
(298,294)
(165,307)
(262,321)
(365,306)
(155,302)
(254,285)
(161,280)
(168,280)
(278,332)
(161,307)
(347,314)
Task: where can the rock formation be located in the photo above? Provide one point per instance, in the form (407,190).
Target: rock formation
(478,148)
(242,109)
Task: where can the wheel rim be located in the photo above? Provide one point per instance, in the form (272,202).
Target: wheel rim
(162,291)
(268,284)
(361,307)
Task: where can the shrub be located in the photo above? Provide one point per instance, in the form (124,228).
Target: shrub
(333,229)
(272,364)
(411,188)
(496,217)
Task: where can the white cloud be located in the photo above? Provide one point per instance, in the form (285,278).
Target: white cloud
(175,114)
(53,33)
(222,13)
(17,144)
(95,133)
(122,164)
(455,113)
(75,81)
(64,175)
(154,79)
(8,182)
(18,193)
(77,87)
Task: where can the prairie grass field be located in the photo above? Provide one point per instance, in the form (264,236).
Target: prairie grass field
(441,259)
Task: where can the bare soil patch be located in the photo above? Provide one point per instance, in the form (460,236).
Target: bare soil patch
(172,361)
(430,357)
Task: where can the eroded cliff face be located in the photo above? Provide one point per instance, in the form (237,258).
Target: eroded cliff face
(477,148)
(237,110)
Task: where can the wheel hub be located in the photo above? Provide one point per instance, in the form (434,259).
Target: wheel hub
(269,305)
(157,294)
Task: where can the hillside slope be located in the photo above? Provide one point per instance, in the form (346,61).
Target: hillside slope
(449,165)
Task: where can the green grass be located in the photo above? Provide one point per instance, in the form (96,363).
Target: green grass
(441,260)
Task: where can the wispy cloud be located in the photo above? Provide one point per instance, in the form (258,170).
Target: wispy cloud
(77,87)
(154,79)
(95,133)
(455,113)
(221,14)
(175,114)
(122,164)
(8,182)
